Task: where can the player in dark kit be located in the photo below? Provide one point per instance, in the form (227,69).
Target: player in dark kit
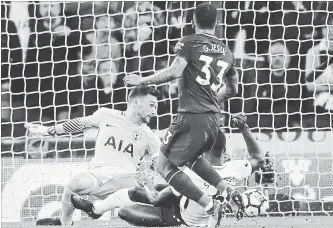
(201,64)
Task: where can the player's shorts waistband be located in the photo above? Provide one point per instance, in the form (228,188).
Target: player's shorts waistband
(199,113)
(199,116)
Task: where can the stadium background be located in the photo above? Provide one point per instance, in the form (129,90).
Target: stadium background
(65,60)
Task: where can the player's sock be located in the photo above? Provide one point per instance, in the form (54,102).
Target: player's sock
(184,185)
(67,207)
(118,199)
(204,169)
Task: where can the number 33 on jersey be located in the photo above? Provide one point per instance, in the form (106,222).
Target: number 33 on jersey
(209,60)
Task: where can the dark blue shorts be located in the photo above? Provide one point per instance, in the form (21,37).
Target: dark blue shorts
(189,136)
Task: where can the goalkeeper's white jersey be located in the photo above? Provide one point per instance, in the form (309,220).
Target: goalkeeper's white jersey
(192,213)
(121,144)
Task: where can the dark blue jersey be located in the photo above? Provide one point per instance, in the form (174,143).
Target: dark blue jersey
(208,61)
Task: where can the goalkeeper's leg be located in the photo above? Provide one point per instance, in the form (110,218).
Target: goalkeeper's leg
(80,184)
(115,193)
(121,198)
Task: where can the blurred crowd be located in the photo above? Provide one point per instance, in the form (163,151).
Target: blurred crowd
(65,60)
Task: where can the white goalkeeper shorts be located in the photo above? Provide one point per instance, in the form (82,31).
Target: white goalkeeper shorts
(108,181)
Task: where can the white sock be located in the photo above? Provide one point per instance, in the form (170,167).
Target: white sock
(118,199)
(67,207)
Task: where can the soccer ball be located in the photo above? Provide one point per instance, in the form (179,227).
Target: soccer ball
(255,202)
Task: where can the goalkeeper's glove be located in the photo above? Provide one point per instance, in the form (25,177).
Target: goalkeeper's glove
(239,120)
(38,129)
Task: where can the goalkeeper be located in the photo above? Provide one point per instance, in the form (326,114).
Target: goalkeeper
(123,140)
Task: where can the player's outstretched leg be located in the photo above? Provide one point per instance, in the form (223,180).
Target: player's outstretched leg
(84,205)
(80,184)
(95,210)
(142,215)
(183,184)
(148,216)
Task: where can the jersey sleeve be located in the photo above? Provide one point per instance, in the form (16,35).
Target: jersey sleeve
(183,49)
(154,144)
(154,149)
(101,113)
(81,124)
(96,118)
(236,170)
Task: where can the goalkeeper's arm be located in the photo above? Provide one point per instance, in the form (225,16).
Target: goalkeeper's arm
(71,126)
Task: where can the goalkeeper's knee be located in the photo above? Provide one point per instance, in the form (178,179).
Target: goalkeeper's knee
(82,184)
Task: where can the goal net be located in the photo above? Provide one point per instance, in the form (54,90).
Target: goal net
(62,60)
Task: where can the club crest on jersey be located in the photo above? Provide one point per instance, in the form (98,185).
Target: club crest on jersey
(137,135)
